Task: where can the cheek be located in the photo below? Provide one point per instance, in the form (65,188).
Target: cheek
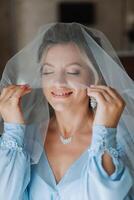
(81,96)
(84,79)
(46,93)
(46,82)
(87,78)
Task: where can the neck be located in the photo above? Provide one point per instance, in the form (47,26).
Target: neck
(71,122)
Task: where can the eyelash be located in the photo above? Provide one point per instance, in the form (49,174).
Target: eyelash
(75,73)
(45,73)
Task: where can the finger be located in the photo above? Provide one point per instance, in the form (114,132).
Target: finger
(110,90)
(6,90)
(97,95)
(21,91)
(106,95)
(15,91)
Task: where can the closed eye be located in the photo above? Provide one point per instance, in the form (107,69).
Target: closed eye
(46,73)
(73,73)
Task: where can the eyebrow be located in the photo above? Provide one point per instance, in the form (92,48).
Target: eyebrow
(68,65)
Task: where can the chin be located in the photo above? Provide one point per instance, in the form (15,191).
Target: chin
(60,107)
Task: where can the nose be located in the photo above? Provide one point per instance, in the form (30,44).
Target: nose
(60,79)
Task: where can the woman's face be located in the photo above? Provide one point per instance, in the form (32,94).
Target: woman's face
(64,70)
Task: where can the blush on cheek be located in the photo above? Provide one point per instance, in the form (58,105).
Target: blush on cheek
(47,94)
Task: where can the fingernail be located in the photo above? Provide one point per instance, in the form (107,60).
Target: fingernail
(22,86)
(92,85)
(28,87)
(25,86)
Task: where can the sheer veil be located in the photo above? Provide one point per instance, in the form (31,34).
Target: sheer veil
(25,67)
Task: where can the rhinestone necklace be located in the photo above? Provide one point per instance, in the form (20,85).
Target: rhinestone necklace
(66,140)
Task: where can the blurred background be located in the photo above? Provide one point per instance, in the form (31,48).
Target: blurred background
(21,19)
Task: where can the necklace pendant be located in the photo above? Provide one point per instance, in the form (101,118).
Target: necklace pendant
(65,141)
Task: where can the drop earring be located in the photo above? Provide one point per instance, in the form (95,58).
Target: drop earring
(93,102)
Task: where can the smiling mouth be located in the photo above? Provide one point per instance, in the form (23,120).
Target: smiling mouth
(61,94)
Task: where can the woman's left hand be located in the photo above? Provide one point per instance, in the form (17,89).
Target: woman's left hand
(110,105)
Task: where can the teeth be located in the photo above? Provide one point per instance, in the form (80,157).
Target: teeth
(61,94)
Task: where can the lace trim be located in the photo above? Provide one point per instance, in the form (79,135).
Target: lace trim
(10,144)
(113,152)
(103,145)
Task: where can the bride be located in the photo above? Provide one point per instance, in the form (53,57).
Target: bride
(76,154)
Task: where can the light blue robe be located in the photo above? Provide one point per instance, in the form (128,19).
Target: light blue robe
(85,179)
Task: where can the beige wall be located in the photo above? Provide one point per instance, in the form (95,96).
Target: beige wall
(21,19)
(31,14)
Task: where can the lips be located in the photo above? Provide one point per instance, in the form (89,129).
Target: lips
(61,94)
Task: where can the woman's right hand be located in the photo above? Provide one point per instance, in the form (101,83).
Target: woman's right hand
(10,103)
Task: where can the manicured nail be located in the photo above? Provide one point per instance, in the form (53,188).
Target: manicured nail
(22,86)
(25,85)
(28,86)
(92,85)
